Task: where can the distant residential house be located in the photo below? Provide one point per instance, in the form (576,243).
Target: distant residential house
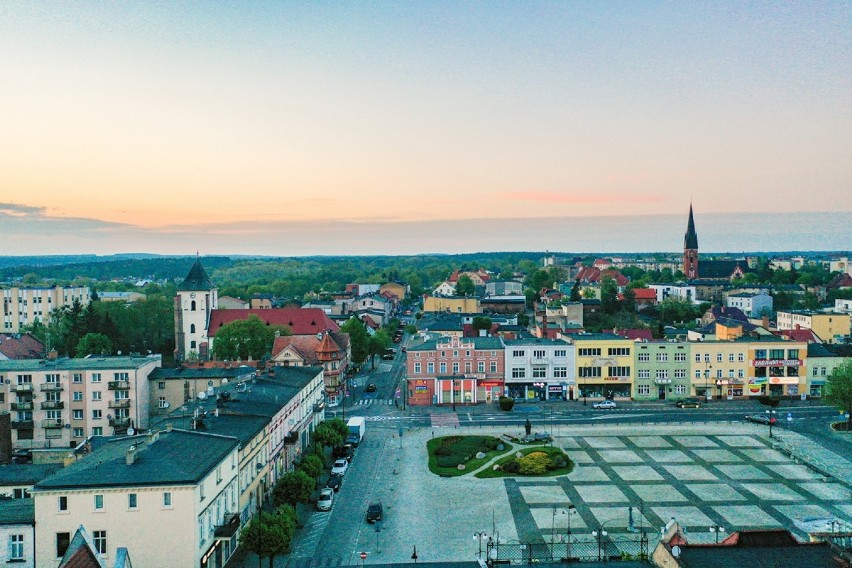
(330,350)
(445,288)
(231,303)
(452,304)
(683,292)
(715,313)
(126,297)
(376,306)
(643,297)
(503,288)
(832,327)
(363,289)
(398,289)
(843,306)
(594,275)
(479,277)
(23,305)
(20,346)
(504,304)
(17,533)
(752,305)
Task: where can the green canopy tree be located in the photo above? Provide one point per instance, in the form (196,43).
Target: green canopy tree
(293,487)
(575,291)
(464,286)
(359,339)
(269,534)
(377,345)
(328,436)
(609,295)
(838,390)
(244,339)
(481,322)
(312,465)
(94,344)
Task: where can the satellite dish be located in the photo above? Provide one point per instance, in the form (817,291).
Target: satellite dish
(131,431)
(166,405)
(224,381)
(676,551)
(202,395)
(210,391)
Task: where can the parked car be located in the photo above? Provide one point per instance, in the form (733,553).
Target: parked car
(325,500)
(688,403)
(605,404)
(371,387)
(374,512)
(761,419)
(345,451)
(334,482)
(340,466)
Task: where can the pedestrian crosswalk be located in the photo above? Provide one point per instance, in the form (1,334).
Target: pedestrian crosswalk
(444,420)
(369,401)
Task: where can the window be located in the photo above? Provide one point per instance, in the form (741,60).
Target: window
(730,357)
(680,389)
(78,433)
(443,367)
(517,353)
(96,377)
(718,373)
(718,357)
(77,396)
(430,368)
(538,354)
(590,371)
(97,431)
(740,357)
(99,502)
(161,385)
(644,389)
(77,378)
(63,503)
(792,354)
(519,372)
(643,374)
(192,306)
(192,328)
(96,395)
(455,367)
(417,367)
(662,357)
(131,501)
(167,499)
(480,367)
(662,374)
(96,414)
(560,372)
(680,373)
(618,351)
(62,541)
(77,414)
(619,371)
(706,357)
(589,352)
(192,344)
(539,372)
(560,353)
(680,357)
(99,538)
(162,402)
(776,353)
(697,374)
(493,366)
(644,357)
(760,353)
(698,357)
(16,547)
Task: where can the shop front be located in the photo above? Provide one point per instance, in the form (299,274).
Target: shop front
(538,391)
(610,388)
(489,390)
(455,390)
(421,392)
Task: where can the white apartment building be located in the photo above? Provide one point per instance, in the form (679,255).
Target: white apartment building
(843,306)
(752,305)
(24,305)
(540,369)
(685,292)
(170,498)
(60,402)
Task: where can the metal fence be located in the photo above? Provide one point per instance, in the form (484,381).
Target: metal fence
(584,548)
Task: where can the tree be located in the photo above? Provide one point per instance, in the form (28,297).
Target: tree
(240,340)
(628,304)
(327,435)
(575,291)
(293,487)
(464,286)
(269,534)
(481,322)
(94,344)
(312,465)
(609,295)
(359,339)
(377,345)
(838,390)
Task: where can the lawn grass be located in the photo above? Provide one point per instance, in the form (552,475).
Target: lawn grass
(551,451)
(462,449)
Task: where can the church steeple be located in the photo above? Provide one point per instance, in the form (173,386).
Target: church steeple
(690,248)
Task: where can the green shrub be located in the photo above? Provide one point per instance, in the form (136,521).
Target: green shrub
(506,403)
(511,466)
(558,462)
(535,463)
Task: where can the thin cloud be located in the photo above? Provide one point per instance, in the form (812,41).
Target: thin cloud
(18,210)
(581,199)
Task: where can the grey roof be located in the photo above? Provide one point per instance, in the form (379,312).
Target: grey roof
(183,373)
(595,337)
(478,343)
(178,457)
(197,278)
(812,555)
(535,341)
(26,473)
(77,364)
(244,427)
(17,511)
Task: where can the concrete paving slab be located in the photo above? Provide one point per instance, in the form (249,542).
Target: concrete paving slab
(545,516)
(828,491)
(690,517)
(742,472)
(588,473)
(568,443)
(772,492)
(637,473)
(741,441)
(650,441)
(601,494)
(745,516)
(717,456)
(765,455)
(711,492)
(846,509)
(604,442)
(802,512)
(620,456)
(689,472)
(695,441)
(658,493)
(795,471)
(669,456)
(579,456)
(551,494)
(617,517)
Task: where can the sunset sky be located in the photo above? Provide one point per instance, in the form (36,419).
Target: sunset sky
(305,128)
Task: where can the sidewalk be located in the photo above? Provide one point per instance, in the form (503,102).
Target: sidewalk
(816,456)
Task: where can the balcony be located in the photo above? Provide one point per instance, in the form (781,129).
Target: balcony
(22,406)
(291,438)
(121,422)
(22,425)
(23,387)
(118,385)
(319,407)
(53,405)
(123,403)
(52,423)
(51,387)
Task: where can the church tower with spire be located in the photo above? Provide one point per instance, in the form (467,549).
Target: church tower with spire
(196,298)
(690,249)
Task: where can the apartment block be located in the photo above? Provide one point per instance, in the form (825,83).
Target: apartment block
(831,327)
(26,305)
(59,402)
(540,369)
(662,370)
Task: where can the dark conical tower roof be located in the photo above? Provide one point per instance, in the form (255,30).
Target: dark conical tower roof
(197,278)
(690,239)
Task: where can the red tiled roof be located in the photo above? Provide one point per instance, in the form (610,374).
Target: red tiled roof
(633,334)
(84,557)
(25,346)
(645,294)
(301,321)
(806,335)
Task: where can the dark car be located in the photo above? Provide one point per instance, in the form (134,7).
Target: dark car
(688,403)
(761,419)
(371,387)
(346,452)
(374,512)
(334,482)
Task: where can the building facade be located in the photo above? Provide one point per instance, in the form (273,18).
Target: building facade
(26,305)
(831,327)
(753,305)
(540,369)
(604,365)
(662,370)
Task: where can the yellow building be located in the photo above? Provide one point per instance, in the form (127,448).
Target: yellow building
(453,304)
(604,365)
(23,306)
(829,326)
(395,288)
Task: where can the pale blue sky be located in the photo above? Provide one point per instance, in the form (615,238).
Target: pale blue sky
(145,119)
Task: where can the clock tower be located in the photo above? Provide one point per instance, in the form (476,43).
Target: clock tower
(690,249)
(196,298)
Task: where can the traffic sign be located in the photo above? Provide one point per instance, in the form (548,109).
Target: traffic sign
(363,555)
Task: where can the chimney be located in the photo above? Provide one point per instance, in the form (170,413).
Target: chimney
(68,459)
(52,354)
(152,437)
(765,322)
(169,427)
(130,455)
(5,437)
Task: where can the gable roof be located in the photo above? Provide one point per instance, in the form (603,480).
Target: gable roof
(312,348)
(806,335)
(81,552)
(17,511)
(197,278)
(23,346)
(721,268)
(301,321)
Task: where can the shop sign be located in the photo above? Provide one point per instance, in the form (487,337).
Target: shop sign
(757,381)
(611,378)
(552,388)
(776,363)
(420,388)
(490,384)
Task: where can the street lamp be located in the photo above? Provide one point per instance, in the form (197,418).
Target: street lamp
(718,530)
(770,415)
(453,391)
(601,535)
(479,536)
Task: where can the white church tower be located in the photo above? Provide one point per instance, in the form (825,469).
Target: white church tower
(196,298)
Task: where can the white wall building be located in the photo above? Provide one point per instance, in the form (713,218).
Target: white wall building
(683,292)
(23,306)
(17,533)
(540,369)
(752,305)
